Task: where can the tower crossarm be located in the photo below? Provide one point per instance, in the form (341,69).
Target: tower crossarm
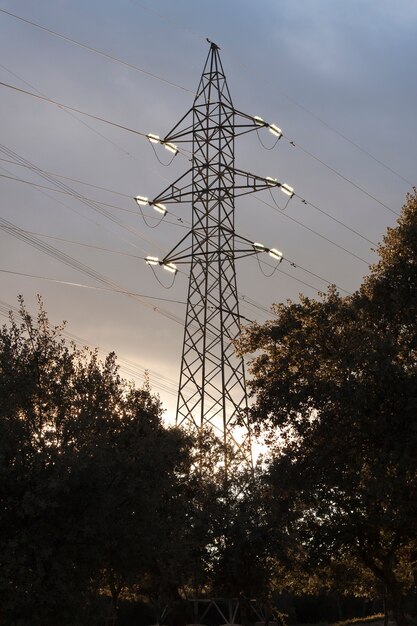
(176,192)
(182,132)
(184,252)
(246,183)
(244,123)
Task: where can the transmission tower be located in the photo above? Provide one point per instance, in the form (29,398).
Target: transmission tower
(212,389)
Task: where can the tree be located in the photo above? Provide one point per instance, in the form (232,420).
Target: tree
(242,567)
(338,378)
(90,480)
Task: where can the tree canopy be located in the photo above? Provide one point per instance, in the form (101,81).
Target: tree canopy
(338,378)
(98,500)
(92,486)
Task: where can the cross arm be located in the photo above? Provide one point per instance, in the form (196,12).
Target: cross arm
(176,192)
(246,183)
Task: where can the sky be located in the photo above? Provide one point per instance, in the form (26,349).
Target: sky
(338,77)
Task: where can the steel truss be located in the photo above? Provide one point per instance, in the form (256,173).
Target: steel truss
(212,389)
(226,611)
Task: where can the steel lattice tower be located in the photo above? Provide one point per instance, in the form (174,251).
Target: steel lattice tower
(212,390)
(212,383)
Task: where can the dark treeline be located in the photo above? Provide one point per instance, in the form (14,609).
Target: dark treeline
(107,516)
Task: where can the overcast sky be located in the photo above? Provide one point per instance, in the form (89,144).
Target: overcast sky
(339,78)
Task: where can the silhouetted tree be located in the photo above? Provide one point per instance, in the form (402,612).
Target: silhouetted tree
(338,378)
(91,483)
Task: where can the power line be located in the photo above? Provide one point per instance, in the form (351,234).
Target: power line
(11,229)
(68,193)
(182,88)
(125,291)
(345,178)
(94,130)
(106,213)
(58,255)
(334,219)
(90,203)
(287,97)
(325,280)
(136,132)
(77,197)
(65,106)
(132,66)
(315,232)
(241,297)
(125,195)
(352,143)
(293,263)
(96,51)
(81,285)
(126,365)
(245,299)
(302,282)
(84,199)
(67,190)
(87,245)
(70,261)
(74,180)
(281,271)
(174,223)
(66,259)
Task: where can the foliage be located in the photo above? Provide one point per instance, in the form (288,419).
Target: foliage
(91,484)
(338,378)
(242,567)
